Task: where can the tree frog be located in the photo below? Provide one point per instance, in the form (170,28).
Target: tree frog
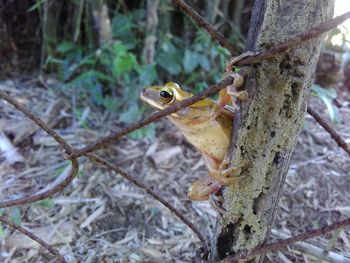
(206,124)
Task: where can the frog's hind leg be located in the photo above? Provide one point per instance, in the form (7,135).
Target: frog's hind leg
(201,189)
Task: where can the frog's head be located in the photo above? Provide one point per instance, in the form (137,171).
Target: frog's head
(161,97)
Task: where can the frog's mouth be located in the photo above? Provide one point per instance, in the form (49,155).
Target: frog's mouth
(152,98)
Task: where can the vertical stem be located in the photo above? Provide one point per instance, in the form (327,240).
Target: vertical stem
(148,52)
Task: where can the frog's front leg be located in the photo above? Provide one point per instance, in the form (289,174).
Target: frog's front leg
(230,93)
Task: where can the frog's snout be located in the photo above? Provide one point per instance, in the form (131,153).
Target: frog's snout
(143,92)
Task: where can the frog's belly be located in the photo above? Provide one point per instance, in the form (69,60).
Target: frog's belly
(212,139)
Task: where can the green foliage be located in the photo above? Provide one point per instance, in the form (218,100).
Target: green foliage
(112,75)
(15,215)
(37,5)
(327,96)
(2,232)
(169,58)
(46,203)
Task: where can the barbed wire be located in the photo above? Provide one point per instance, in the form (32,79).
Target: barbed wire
(72,154)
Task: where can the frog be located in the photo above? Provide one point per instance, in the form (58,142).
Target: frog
(207,125)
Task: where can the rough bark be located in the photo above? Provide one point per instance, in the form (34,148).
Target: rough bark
(271,122)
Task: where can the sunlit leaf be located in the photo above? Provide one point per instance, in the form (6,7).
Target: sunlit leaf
(148,131)
(65,46)
(36,5)
(47,203)
(123,64)
(15,216)
(327,96)
(2,232)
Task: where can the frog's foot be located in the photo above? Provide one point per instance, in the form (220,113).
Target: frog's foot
(241,95)
(234,95)
(227,175)
(203,188)
(234,60)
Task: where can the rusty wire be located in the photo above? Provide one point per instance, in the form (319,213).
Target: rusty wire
(256,58)
(289,241)
(73,154)
(74,171)
(327,127)
(116,135)
(29,234)
(154,195)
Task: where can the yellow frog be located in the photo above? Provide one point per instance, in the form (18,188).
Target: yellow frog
(206,124)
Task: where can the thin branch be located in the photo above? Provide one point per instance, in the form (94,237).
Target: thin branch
(325,125)
(116,135)
(202,22)
(154,195)
(43,195)
(37,120)
(289,241)
(29,234)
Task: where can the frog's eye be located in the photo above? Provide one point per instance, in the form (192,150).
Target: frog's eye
(166,95)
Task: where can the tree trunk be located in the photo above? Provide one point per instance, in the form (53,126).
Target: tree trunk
(271,121)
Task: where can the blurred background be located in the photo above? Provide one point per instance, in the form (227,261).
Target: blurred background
(80,64)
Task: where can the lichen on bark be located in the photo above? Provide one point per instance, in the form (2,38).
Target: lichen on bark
(271,123)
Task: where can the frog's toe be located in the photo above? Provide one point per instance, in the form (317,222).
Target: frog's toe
(234,60)
(203,188)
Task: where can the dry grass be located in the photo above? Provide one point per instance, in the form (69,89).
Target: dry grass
(103,218)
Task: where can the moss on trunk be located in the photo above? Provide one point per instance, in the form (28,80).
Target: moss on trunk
(271,123)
